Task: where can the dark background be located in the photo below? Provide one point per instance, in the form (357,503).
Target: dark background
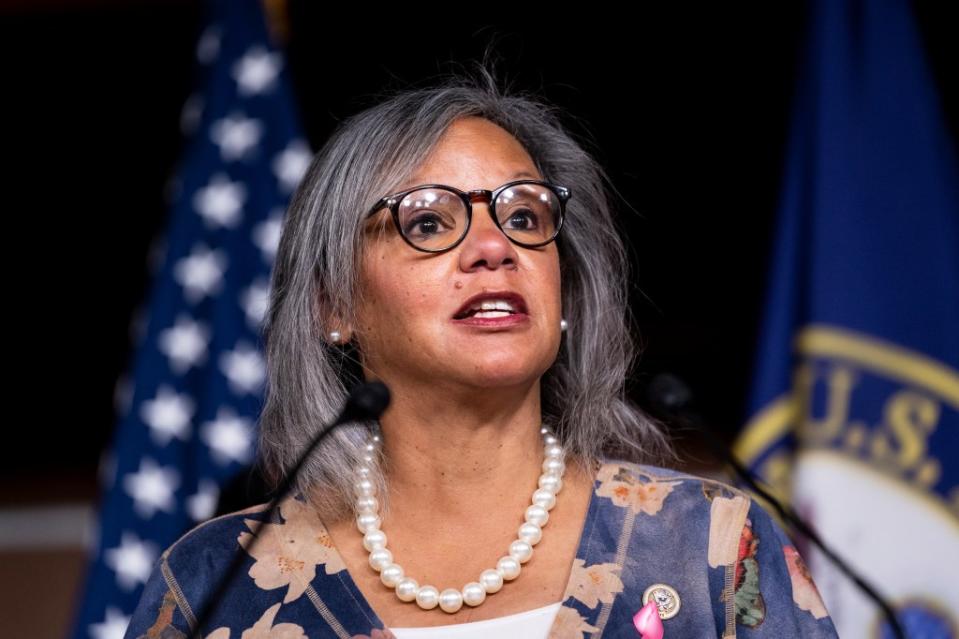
(686,106)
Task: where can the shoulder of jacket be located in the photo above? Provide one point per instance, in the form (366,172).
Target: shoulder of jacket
(218,533)
(709,485)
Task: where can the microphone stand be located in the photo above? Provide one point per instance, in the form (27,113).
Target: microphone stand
(367,401)
(671,395)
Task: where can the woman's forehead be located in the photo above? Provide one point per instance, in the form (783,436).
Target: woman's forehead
(473,150)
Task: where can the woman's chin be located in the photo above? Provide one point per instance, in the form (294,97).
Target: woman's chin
(491,372)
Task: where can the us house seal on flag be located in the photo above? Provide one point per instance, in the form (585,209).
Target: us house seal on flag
(853,413)
(874,459)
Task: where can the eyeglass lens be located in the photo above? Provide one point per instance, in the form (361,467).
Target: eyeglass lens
(435,218)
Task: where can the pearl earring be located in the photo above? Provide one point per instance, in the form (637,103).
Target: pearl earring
(334,336)
(563,324)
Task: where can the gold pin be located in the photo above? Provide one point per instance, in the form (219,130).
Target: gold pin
(666,598)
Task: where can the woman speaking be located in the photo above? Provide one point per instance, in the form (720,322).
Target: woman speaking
(457,244)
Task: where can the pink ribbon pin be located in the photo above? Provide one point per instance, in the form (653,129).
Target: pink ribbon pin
(648,623)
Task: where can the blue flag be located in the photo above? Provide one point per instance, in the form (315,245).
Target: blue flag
(191,398)
(854,409)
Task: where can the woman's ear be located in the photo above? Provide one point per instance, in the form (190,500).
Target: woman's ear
(332,328)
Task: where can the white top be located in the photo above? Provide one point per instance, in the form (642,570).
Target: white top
(529,624)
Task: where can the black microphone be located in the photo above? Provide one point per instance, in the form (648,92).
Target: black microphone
(670,395)
(367,401)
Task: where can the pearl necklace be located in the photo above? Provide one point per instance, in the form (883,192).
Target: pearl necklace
(490,580)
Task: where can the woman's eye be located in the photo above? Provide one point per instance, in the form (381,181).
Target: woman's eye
(425,224)
(524,220)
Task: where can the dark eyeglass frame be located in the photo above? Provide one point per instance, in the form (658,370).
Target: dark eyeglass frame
(483,195)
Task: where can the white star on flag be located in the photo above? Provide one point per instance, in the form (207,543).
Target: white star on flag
(185,344)
(220,202)
(156,252)
(266,235)
(291,163)
(107,468)
(244,368)
(113,627)
(209,45)
(123,393)
(152,488)
(191,114)
(229,437)
(255,300)
(201,273)
(132,561)
(236,135)
(168,415)
(256,72)
(138,325)
(202,505)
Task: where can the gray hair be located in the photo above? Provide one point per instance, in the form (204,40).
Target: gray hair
(315,275)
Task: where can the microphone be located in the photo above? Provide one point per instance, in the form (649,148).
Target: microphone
(367,401)
(670,395)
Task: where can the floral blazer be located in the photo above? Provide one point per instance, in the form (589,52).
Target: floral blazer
(712,558)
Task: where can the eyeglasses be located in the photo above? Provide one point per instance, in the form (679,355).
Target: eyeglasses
(435,217)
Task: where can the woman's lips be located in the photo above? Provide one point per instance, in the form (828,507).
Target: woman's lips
(513,319)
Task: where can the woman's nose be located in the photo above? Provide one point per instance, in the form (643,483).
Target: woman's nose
(485,244)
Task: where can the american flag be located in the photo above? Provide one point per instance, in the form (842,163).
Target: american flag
(189,402)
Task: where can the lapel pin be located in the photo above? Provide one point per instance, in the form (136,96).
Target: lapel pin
(666,599)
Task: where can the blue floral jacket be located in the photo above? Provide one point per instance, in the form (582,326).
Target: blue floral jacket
(712,558)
